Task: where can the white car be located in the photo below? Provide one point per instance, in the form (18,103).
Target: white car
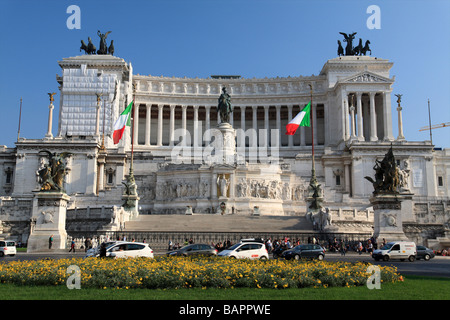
(7,247)
(95,252)
(248,250)
(129,250)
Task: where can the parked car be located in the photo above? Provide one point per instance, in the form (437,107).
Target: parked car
(396,250)
(307,251)
(249,250)
(194,249)
(7,247)
(424,253)
(129,250)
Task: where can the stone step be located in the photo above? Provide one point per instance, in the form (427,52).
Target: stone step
(218,223)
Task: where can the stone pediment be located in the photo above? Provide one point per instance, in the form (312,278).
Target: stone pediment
(366,77)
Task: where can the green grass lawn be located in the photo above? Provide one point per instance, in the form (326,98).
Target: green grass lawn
(412,288)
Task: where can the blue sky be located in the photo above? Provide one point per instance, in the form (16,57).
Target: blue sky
(199,38)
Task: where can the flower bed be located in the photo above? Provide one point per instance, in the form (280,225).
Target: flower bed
(201,272)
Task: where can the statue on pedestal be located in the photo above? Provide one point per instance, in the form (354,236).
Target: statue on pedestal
(223,183)
(224,108)
(349,49)
(386,175)
(51,176)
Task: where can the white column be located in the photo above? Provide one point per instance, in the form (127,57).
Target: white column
(50,121)
(148,120)
(172,124)
(183,117)
(242,142)
(347,125)
(278,107)
(207,123)
(387,116)
(290,138)
(160,124)
(195,133)
(360,118)
(352,117)
(243,118)
(255,121)
(266,125)
(400,123)
(373,118)
(136,123)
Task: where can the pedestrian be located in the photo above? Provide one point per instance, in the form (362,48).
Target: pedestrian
(342,248)
(72,246)
(50,242)
(87,244)
(170,245)
(103,250)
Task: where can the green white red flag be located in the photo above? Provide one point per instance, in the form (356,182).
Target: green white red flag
(301,119)
(120,124)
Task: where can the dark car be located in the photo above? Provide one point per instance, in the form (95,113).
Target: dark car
(306,251)
(424,253)
(194,249)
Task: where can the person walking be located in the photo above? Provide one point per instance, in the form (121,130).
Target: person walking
(72,246)
(50,242)
(342,248)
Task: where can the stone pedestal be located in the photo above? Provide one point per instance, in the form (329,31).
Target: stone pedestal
(131,205)
(388,219)
(48,220)
(225,144)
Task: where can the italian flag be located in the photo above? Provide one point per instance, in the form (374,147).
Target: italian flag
(301,119)
(123,120)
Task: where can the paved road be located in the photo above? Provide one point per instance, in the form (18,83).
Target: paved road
(438,266)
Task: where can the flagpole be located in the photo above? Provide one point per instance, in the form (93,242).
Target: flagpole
(429,121)
(316,197)
(20,116)
(312,131)
(132,131)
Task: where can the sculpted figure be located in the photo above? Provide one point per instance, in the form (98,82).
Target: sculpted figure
(223,184)
(103,46)
(224,108)
(386,174)
(51,175)
(349,39)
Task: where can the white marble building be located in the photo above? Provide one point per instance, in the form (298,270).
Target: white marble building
(351,114)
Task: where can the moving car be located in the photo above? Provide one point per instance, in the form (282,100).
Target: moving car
(308,251)
(396,250)
(424,253)
(194,249)
(7,247)
(95,252)
(129,250)
(249,250)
